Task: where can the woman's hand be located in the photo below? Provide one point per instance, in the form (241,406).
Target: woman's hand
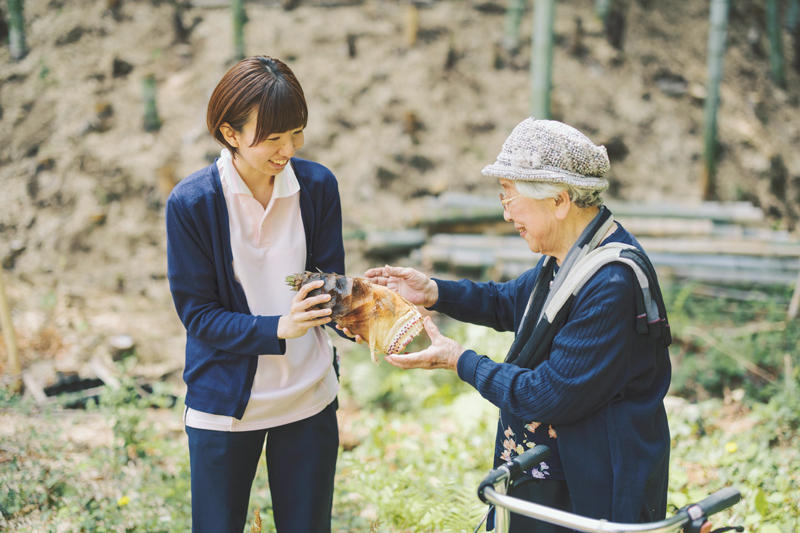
(349,333)
(300,319)
(411,284)
(442,353)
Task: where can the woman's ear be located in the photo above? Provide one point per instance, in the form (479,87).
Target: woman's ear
(230,134)
(563,204)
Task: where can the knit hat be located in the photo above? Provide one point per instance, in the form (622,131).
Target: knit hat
(551,151)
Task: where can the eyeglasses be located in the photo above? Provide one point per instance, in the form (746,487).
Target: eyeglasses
(505,201)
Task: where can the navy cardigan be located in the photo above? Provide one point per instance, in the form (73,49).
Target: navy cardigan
(223,339)
(602,388)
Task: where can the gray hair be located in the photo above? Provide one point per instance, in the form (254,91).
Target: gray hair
(539,190)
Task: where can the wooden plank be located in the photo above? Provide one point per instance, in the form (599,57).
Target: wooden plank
(693,245)
(454,207)
(731,212)
(660,227)
(393,242)
(502,262)
(741,262)
(726,277)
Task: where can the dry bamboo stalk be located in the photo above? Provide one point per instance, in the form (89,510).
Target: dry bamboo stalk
(742,360)
(794,303)
(10,338)
(412,25)
(788,373)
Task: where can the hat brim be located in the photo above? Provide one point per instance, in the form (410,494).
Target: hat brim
(544,174)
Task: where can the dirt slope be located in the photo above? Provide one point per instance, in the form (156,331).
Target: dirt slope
(83,185)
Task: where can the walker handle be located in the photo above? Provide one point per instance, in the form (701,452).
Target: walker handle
(527,460)
(720,500)
(514,468)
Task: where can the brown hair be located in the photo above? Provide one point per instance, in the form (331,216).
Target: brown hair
(258,83)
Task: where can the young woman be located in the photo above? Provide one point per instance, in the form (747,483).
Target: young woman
(258,367)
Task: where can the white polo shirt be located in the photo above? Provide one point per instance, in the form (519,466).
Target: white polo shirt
(268,245)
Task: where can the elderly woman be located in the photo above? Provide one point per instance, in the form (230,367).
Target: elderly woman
(589,368)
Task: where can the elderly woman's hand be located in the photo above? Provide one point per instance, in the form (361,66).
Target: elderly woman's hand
(411,284)
(442,353)
(357,338)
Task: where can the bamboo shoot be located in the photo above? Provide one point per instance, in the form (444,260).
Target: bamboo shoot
(239,20)
(602,8)
(16,30)
(512,23)
(152,122)
(775,43)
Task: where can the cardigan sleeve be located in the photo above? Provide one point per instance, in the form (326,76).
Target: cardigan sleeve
(193,283)
(487,304)
(589,359)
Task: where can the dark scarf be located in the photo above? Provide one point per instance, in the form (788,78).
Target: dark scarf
(536,332)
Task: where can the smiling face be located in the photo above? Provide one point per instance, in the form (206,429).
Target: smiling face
(265,159)
(537,221)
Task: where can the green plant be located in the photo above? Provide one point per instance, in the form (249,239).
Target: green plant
(139,481)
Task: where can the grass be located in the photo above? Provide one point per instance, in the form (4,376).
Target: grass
(419,442)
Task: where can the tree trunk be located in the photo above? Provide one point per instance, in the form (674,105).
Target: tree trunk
(542,58)
(512,22)
(16,30)
(775,43)
(239,20)
(716,53)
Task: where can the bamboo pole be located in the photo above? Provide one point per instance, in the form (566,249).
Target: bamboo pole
(16,30)
(239,20)
(512,23)
(792,15)
(775,43)
(716,53)
(602,9)
(542,58)
(10,337)
(793,25)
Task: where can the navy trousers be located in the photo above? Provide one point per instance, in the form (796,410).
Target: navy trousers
(301,462)
(550,492)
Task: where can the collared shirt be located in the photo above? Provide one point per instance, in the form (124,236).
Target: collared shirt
(269,244)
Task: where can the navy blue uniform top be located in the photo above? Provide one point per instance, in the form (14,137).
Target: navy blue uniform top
(601,390)
(223,339)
